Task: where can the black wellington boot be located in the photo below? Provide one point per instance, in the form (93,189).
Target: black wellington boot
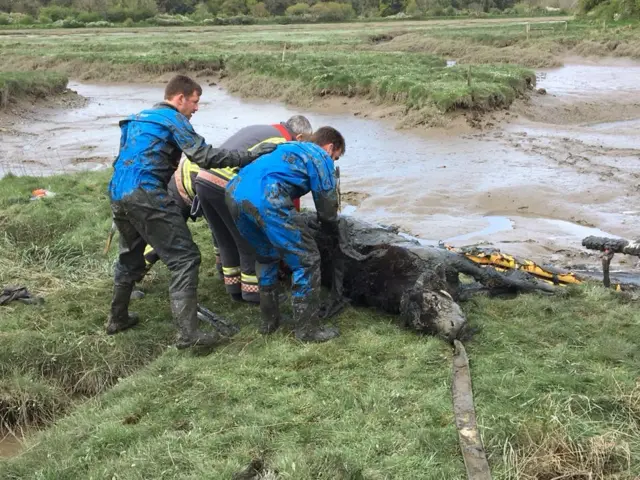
(184,306)
(120,319)
(269,311)
(307,322)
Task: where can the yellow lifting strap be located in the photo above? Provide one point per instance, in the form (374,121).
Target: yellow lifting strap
(503,261)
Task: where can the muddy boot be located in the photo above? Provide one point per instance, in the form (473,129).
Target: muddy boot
(185,311)
(269,311)
(236,297)
(307,321)
(120,319)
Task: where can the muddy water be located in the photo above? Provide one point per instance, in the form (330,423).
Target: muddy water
(611,76)
(530,188)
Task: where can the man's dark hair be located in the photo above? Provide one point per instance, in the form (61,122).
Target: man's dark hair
(181,84)
(326,135)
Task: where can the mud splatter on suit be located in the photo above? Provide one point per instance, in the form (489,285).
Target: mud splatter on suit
(238,259)
(150,147)
(260,200)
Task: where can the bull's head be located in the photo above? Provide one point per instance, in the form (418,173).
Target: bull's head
(432,310)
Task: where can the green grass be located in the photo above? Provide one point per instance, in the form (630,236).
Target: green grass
(15,85)
(339,59)
(556,380)
(415,80)
(390,63)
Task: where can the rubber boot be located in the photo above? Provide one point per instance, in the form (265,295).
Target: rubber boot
(120,319)
(236,297)
(269,311)
(307,321)
(184,306)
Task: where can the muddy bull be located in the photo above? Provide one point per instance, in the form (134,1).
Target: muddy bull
(379,268)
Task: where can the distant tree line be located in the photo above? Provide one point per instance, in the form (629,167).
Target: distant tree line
(175,12)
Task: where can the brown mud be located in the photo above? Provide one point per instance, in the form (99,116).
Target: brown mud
(533,180)
(10,445)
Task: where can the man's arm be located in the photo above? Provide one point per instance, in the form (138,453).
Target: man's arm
(204,155)
(326,205)
(324,189)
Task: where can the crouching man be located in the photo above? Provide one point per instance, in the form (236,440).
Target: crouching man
(260,199)
(238,259)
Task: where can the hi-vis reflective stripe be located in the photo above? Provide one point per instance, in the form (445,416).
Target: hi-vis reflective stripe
(502,261)
(231,271)
(185,170)
(249,283)
(188,169)
(150,255)
(226,173)
(249,279)
(249,288)
(275,140)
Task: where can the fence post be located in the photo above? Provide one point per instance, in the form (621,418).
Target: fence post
(528,29)
(284,49)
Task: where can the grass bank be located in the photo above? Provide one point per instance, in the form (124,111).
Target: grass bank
(555,379)
(55,354)
(18,85)
(541,45)
(401,64)
(309,61)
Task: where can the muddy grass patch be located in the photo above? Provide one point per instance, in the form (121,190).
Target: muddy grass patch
(374,403)
(532,55)
(556,455)
(425,91)
(56,353)
(378,38)
(302,74)
(15,86)
(608,48)
(554,449)
(25,401)
(545,45)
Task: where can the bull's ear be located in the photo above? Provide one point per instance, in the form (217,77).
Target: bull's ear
(441,272)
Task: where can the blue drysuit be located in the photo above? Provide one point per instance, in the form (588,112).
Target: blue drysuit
(260,200)
(151,144)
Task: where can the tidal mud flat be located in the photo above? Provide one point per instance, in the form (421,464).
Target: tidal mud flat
(533,181)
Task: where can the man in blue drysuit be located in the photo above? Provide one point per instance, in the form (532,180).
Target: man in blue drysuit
(260,199)
(151,144)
